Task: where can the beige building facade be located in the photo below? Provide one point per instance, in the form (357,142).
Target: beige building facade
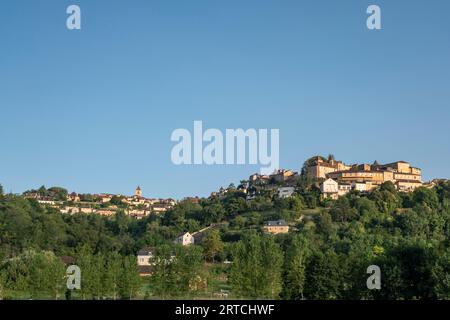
(365,177)
(276,227)
(185,239)
(321,168)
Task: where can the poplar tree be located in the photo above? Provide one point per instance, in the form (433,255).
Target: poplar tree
(256,268)
(295,269)
(130,281)
(112,275)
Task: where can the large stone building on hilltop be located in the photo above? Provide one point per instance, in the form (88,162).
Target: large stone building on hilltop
(362,177)
(320,168)
(400,173)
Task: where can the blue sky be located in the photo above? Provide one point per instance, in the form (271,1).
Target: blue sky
(93,110)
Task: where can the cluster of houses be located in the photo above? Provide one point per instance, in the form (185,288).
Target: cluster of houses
(339,178)
(136,206)
(282,181)
(335,178)
(146,256)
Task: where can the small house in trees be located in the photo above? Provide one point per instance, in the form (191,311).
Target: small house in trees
(185,239)
(286,192)
(145,256)
(145,262)
(276,227)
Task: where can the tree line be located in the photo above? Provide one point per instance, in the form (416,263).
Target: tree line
(324,256)
(41,274)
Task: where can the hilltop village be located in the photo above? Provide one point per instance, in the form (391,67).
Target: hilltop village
(329,177)
(333,178)
(135,206)
(270,229)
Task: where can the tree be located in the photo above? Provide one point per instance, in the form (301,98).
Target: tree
(2,284)
(121,222)
(386,198)
(188,265)
(175,270)
(116,200)
(389,187)
(42,191)
(256,268)
(36,273)
(91,273)
(163,280)
(212,245)
(343,211)
(294,269)
(130,281)
(54,272)
(16,225)
(176,217)
(87,197)
(411,223)
(239,222)
(426,196)
(407,270)
(324,224)
(443,191)
(213,213)
(112,275)
(441,276)
(57,193)
(323,276)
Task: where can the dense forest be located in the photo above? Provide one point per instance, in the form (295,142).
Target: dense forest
(324,256)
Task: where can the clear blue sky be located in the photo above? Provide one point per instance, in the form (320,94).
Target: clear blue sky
(93,110)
